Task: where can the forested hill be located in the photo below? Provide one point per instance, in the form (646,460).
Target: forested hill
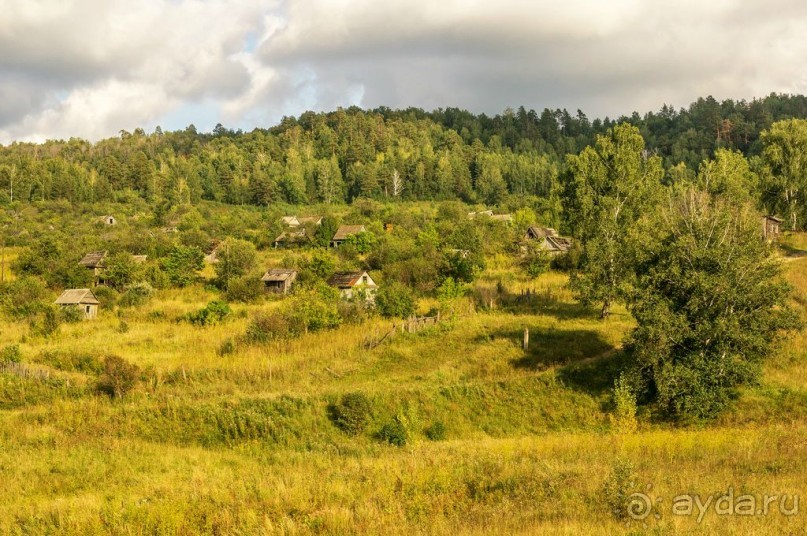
(339,156)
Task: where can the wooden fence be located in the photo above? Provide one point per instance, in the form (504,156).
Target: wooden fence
(25,371)
(410,325)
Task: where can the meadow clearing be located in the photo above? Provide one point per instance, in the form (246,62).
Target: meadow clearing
(241,443)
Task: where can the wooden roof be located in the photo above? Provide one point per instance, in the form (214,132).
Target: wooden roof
(291,235)
(558,243)
(93,259)
(279,274)
(774,218)
(346,230)
(77,296)
(540,232)
(349,279)
(317,220)
(291,221)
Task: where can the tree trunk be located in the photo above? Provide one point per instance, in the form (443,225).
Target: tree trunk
(606,309)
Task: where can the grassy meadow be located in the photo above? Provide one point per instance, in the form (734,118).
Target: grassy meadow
(241,443)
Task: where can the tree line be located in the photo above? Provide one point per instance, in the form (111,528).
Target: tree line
(518,157)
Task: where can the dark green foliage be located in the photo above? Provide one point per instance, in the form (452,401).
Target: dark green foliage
(322,264)
(710,306)
(182,263)
(351,413)
(227,347)
(71,315)
(393,432)
(212,313)
(535,260)
(118,377)
(47,322)
(395,300)
(436,432)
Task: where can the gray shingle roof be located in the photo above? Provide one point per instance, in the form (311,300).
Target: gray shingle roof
(75,296)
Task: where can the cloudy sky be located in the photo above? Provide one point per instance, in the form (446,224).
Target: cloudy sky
(90,68)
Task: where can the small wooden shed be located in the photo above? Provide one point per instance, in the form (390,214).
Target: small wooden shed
(81,298)
(279,280)
(351,284)
(771,227)
(108,220)
(344,231)
(549,239)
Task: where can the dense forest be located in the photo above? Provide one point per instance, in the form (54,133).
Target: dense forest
(517,158)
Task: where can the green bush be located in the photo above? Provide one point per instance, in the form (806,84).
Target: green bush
(212,313)
(10,354)
(119,376)
(136,295)
(244,289)
(352,413)
(394,433)
(395,300)
(436,432)
(265,327)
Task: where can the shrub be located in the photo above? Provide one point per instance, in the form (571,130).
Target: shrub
(23,297)
(265,327)
(136,295)
(236,258)
(395,300)
(182,263)
(212,313)
(436,432)
(49,324)
(618,488)
(352,413)
(623,419)
(227,347)
(119,376)
(244,289)
(394,433)
(10,354)
(71,315)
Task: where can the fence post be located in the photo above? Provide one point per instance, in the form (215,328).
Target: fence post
(525,344)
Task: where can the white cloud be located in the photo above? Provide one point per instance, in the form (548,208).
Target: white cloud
(93,67)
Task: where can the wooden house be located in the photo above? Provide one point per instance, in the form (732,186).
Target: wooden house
(344,231)
(279,280)
(771,227)
(95,261)
(290,221)
(353,284)
(549,239)
(108,220)
(80,298)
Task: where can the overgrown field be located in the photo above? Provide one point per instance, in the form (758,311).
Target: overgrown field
(499,439)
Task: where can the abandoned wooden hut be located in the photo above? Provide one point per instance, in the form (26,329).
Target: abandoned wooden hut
(549,239)
(80,298)
(108,220)
(472,215)
(344,231)
(771,227)
(95,261)
(354,284)
(290,221)
(279,280)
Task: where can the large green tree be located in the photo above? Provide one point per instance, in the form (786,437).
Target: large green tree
(709,303)
(614,185)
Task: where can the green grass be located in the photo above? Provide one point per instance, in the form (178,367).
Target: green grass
(242,443)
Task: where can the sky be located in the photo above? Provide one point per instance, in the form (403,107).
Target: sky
(91,68)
